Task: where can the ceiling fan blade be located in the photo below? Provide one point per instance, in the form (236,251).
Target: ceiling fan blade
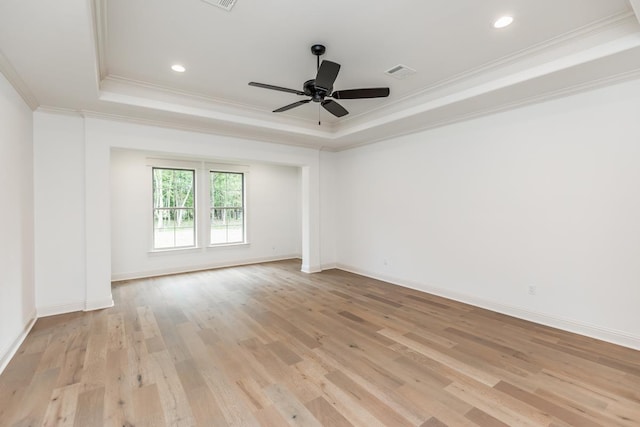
(334,108)
(290,106)
(374,92)
(327,74)
(272,87)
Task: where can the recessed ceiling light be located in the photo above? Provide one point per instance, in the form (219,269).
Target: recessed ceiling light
(178,68)
(502,22)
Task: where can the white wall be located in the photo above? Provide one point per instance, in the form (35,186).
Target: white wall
(17,297)
(547,195)
(60,213)
(328,212)
(273,221)
(73,156)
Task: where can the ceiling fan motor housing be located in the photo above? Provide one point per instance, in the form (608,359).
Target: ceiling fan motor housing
(317,94)
(318,49)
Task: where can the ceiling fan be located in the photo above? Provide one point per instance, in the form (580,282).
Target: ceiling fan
(321,88)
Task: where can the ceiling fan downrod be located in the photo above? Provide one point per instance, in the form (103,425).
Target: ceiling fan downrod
(318,50)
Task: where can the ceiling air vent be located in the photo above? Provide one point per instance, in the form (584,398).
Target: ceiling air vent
(400,71)
(224,4)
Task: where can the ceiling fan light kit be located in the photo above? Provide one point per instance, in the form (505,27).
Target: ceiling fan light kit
(321,88)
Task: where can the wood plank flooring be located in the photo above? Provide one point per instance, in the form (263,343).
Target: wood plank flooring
(266,345)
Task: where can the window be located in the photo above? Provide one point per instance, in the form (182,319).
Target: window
(173,208)
(227,207)
(183,191)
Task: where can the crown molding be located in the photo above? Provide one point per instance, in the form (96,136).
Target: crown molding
(195,98)
(597,40)
(547,96)
(100,35)
(166,124)
(58,110)
(498,79)
(194,128)
(611,23)
(635,5)
(122,91)
(618,23)
(567,91)
(18,84)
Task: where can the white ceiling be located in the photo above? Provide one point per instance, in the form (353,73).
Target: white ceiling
(113,57)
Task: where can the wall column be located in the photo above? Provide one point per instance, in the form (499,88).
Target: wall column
(97,224)
(311,219)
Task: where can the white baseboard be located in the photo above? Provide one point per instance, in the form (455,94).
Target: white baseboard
(594,331)
(311,269)
(52,310)
(329,266)
(190,269)
(98,304)
(7,354)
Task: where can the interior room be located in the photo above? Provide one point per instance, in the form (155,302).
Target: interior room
(234,212)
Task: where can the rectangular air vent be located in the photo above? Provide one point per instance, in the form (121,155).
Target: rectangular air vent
(224,4)
(400,71)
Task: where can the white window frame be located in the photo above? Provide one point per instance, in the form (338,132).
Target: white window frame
(202,202)
(195,209)
(228,168)
(226,209)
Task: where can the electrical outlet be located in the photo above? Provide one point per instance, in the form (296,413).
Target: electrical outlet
(532,289)
(385,262)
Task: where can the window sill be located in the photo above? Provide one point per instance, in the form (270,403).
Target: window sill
(189,250)
(168,251)
(229,245)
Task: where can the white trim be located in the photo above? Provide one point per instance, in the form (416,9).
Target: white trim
(7,354)
(594,331)
(175,251)
(600,26)
(59,111)
(16,81)
(170,163)
(115,88)
(189,127)
(184,165)
(52,310)
(202,170)
(228,245)
(605,37)
(635,4)
(98,304)
(226,167)
(100,33)
(194,268)
(309,269)
(537,99)
(323,143)
(329,266)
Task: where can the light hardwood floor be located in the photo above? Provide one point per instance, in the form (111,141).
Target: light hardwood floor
(267,345)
